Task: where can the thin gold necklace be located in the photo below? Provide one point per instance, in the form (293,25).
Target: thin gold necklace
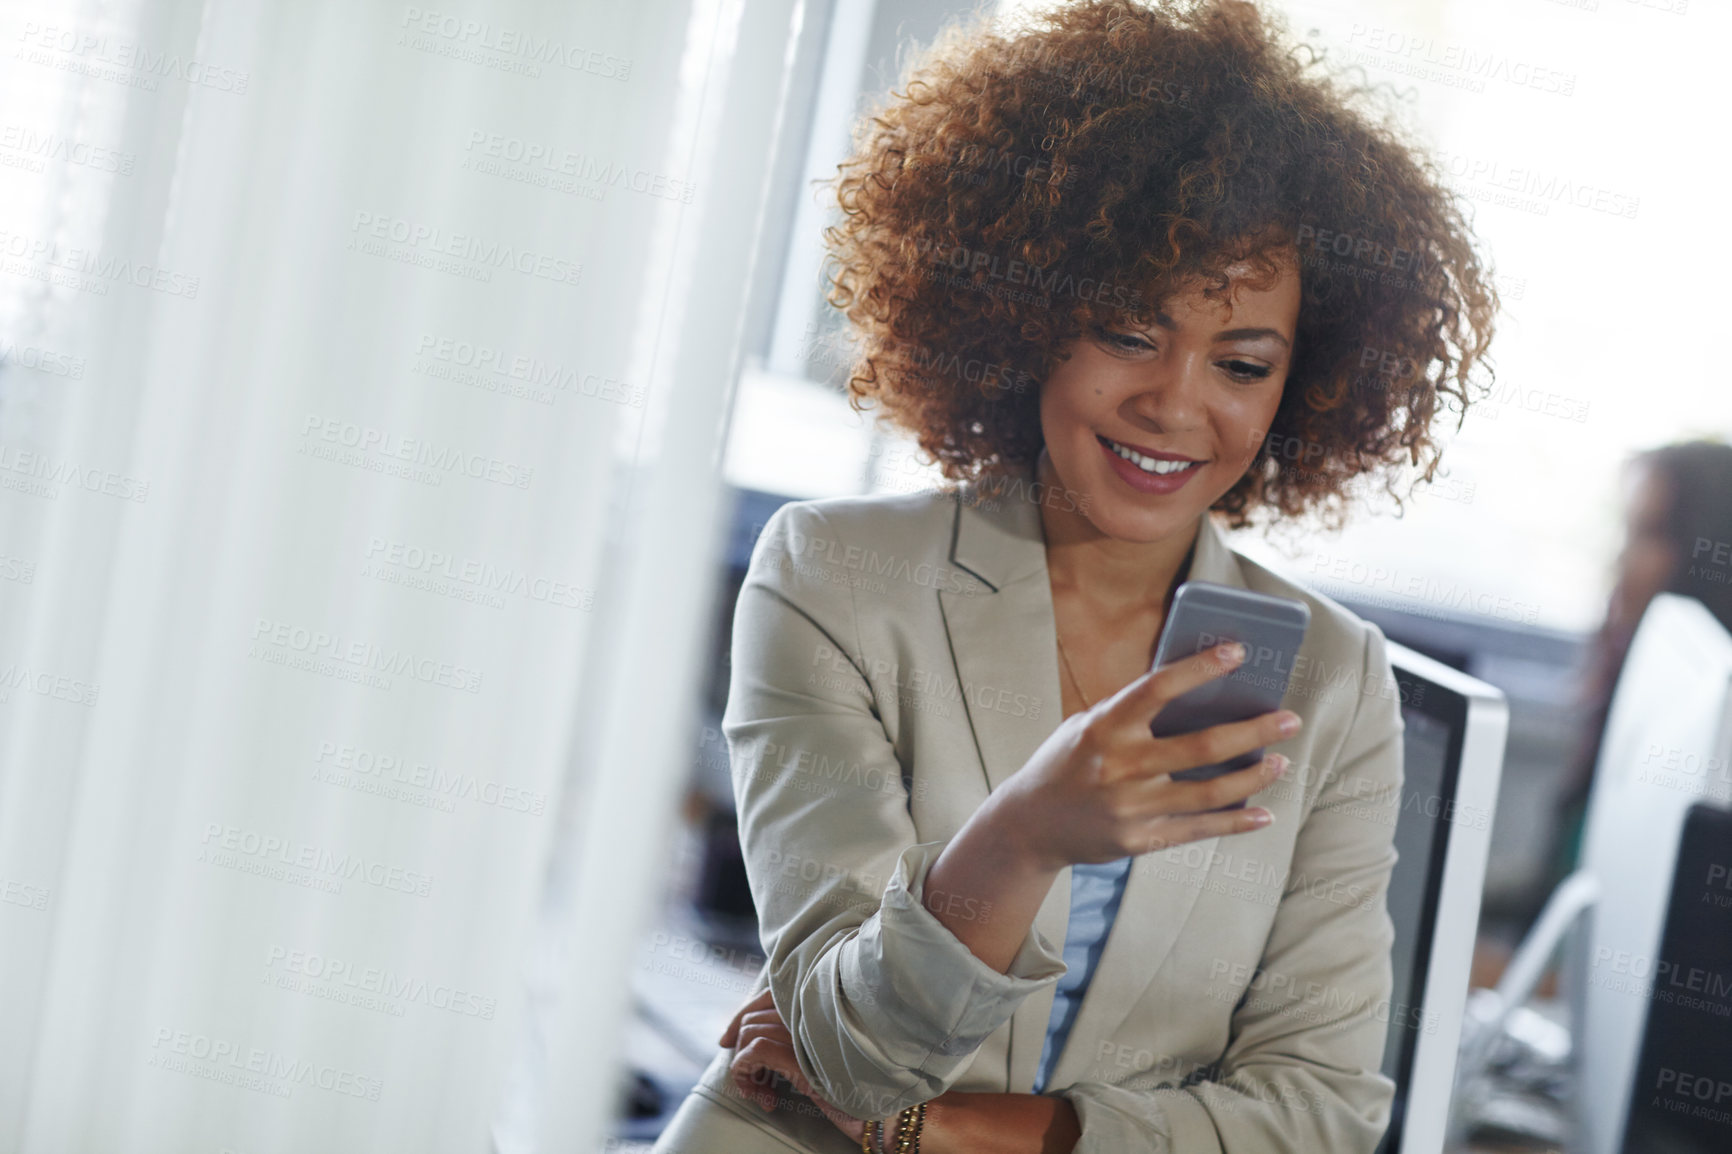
(1184,571)
(1065,657)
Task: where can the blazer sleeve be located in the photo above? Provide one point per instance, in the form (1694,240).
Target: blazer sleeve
(884,1004)
(1302,1070)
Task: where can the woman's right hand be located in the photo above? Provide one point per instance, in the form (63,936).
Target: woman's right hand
(1099,788)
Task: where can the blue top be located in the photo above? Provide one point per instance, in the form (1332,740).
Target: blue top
(1095,891)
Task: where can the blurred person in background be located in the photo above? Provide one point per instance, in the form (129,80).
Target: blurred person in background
(1677,516)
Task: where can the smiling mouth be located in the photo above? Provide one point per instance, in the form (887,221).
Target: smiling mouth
(1148,464)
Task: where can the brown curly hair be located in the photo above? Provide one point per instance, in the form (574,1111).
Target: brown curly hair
(1030,184)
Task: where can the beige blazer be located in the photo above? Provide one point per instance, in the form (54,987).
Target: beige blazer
(894,659)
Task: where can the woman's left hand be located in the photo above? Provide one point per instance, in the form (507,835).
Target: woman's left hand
(763,1049)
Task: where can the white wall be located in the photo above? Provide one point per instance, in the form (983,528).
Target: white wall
(188,658)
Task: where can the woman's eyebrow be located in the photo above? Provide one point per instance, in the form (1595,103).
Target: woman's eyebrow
(1166,322)
(1250,334)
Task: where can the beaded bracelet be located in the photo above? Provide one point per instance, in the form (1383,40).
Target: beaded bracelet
(908,1127)
(909,1123)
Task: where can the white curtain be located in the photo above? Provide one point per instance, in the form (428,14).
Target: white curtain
(349,588)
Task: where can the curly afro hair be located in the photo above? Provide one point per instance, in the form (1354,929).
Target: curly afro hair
(1032,183)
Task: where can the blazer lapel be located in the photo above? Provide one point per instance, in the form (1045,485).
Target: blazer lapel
(1154,909)
(1004,638)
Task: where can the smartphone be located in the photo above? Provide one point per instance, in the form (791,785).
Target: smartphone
(1204,615)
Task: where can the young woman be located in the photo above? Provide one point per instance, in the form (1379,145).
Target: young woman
(1120,272)
(1676,518)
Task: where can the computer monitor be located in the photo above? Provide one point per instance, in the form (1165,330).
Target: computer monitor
(1681,1099)
(1667,747)
(1453,747)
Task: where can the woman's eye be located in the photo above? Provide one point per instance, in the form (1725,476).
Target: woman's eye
(1246,370)
(1128,342)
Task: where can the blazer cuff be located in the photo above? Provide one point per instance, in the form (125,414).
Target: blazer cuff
(932,987)
(1114,1119)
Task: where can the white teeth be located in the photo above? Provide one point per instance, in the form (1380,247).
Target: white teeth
(1148,464)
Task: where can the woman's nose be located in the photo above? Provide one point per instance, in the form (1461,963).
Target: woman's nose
(1172,393)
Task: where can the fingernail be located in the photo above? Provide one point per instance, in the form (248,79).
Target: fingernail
(1232,651)
(1261,817)
(1289,723)
(1277,765)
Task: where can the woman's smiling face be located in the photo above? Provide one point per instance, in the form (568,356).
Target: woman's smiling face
(1191,396)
